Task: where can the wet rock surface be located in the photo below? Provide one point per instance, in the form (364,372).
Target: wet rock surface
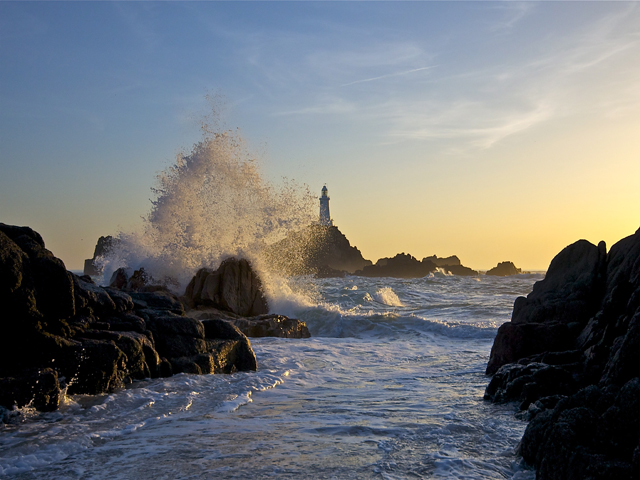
(271,325)
(234,287)
(571,357)
(62,331)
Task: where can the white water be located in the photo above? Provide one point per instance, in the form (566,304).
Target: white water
(390,386)
(212,203)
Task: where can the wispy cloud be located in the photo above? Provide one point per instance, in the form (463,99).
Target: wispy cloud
(396,74)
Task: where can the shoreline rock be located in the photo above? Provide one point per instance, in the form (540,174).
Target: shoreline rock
(62,331)
(571,357)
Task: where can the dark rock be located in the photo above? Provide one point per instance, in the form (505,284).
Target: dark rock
(221,329)
(551,316)
(157,301)
(504,269)
(103,247)
(17,289)
(14,232)
(138,280)
(64,331)
(451,261)
(460,270)
(92,299)
(401,266)
(119,278)
(272,326)
(142,360)
(38,388)
(123,301)
(177,336)
(229,356)
(101,369)
(515,341)
(233,287)
(594,432)
(571,290)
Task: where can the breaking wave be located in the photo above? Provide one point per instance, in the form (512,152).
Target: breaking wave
(211,203)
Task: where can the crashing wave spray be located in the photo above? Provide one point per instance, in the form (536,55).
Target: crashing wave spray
(212,203)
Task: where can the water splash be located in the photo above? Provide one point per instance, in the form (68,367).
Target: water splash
(212,203)
(387,296)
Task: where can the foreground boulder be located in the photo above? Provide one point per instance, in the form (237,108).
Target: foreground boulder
(233,287)
(558,308)
(62,331)
(571,357)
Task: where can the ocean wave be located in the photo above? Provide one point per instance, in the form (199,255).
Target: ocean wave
(331,321)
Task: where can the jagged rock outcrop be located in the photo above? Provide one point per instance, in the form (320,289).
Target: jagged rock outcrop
(318,250)
(571,356)
(103,246)
(504,269)
(60,330)
(233,287)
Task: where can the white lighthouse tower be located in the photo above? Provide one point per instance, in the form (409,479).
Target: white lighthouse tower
(325,218)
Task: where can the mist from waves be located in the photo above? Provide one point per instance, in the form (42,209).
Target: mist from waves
(212,203)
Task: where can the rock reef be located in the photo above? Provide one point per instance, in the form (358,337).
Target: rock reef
(404,265)
(571,357)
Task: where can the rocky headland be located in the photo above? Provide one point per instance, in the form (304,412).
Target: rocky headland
(571,357)
(62,333)
(320,250)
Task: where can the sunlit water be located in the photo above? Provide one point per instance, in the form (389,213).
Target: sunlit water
(389,386)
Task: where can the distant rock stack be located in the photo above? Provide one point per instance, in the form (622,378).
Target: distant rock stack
(104,245)
(504,269)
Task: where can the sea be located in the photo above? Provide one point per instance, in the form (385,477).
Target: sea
(389,386)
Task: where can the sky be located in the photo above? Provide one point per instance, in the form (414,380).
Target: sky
(489,130)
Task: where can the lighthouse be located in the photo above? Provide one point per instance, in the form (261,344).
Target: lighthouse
(325,218)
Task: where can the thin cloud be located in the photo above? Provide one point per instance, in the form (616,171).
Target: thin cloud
(396,74)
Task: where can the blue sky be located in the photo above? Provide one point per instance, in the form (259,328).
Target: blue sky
(491,130)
